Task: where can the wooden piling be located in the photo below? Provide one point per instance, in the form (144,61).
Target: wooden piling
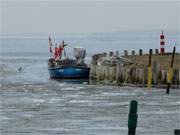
(170,72)
(124,74)
(99,72)
(127,77)
(117,53)
(112,73)
(118,73)
(132,75)
(125,53)
(156,51)
(102,72)
(110,53)
(178,82)
(175,79)
(93,71)
(133,52)
(137,75)
(159,77)
(104,54)
(106,68)
(140,52)
(156,68)
(164,76)
(141,76)
(145,75)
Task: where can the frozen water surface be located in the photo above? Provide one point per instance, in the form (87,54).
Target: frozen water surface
(32,104)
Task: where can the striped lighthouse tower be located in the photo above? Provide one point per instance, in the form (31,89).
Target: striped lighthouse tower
(162,42)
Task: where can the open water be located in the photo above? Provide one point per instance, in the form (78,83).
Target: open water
(32,104)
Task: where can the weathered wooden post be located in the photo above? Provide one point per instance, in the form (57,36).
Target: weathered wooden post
(111,53)
(125,53)
(117,53)
(132,74)
(149,70)
(132,120)
(118,73)
(127,70)
(137,75)
(145,81)
(133,52)
(170,72)
(93,73)
(156,68)
(112,73)
(175,77)
(156,51)
(164,76)
(123,74)
(106,72)
(178,76)
(99,72)
(103,72)
(140,52)
(159,77)
(141,76)
(104,54)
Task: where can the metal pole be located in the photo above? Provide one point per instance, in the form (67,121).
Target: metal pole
(150,69)
(64,53)
(170,72)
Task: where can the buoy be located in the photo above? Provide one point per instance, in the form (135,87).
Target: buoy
(20,68)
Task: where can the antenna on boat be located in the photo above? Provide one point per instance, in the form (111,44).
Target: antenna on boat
(64,53)
(64,45)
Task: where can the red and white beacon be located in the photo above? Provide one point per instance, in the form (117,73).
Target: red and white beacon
(162,42)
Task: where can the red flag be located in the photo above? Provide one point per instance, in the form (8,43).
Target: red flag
(56,52)
(60,51)
(50,49)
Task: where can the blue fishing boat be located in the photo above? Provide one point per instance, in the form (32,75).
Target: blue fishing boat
(69,68)
(70,72)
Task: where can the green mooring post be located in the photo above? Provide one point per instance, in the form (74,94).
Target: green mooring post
(177,132)
(132,121)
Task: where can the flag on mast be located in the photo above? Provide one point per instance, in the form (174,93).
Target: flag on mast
(56,52)
(50,45)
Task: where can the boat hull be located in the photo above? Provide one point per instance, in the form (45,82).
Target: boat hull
(69,73)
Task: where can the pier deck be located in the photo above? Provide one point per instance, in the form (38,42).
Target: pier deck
(137,71)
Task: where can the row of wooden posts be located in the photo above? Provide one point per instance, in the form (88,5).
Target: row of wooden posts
(132,74)
(144,75)
(140,52)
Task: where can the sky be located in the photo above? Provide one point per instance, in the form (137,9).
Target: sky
(47,17)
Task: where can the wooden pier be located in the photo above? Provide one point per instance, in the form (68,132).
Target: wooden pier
(111,68)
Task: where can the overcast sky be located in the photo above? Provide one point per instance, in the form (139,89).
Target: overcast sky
(71,16)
